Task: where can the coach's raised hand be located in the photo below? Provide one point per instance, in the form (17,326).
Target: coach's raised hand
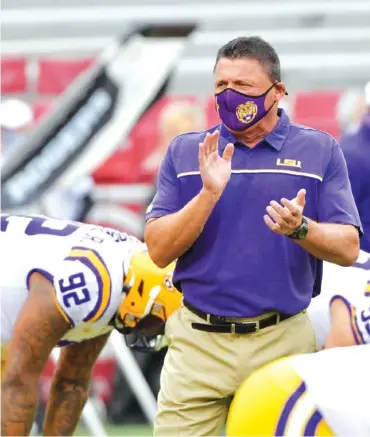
(215,170)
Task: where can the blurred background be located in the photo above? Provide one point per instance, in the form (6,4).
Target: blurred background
(93,91)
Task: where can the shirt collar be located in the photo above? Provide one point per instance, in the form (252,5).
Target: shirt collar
(275,138)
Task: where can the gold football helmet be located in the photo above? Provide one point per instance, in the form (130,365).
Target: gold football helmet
(150,300)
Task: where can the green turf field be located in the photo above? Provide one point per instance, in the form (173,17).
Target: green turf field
(120,430)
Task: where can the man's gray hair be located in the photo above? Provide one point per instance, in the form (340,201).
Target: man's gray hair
(253,47)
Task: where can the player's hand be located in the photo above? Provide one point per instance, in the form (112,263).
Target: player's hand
(215,170)
(286,218)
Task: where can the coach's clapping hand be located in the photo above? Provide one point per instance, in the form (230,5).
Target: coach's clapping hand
(215,170)
(286,218)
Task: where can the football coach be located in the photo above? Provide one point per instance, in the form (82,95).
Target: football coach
(250,208)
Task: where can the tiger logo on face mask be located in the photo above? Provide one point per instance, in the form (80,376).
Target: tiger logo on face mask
(246,112)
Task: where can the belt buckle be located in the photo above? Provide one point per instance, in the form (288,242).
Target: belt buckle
(257,326)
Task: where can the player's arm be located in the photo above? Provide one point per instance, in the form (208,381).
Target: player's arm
(70,385)
(39,327)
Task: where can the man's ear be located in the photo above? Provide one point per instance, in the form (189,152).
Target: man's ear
(280,90)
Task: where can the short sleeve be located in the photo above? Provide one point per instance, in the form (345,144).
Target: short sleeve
(167,198)
(83,286)
(336,202)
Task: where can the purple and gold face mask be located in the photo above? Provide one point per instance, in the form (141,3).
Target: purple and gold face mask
(240,111)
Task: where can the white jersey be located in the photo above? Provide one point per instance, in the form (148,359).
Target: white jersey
(337,382)
(85,263)
(352,286)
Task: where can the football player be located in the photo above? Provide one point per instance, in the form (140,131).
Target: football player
(69,284)
(341,314)
(319,394)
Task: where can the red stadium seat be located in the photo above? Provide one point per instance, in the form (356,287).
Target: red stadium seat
(13,75)
(125,165)
(119,168)
(40,109)
(318,110)
(211,113)
(55,75)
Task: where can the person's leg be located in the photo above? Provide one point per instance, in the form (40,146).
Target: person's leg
(198,376)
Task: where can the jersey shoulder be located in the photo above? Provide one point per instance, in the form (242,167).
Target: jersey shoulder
(88,282)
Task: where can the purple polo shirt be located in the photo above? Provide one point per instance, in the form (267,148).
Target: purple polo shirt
(356,149)
(238,267)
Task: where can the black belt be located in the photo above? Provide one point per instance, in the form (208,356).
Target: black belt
(221,325)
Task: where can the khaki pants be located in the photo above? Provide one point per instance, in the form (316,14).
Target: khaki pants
(202,370)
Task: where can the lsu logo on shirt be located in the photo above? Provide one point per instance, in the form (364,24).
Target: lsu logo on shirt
(289,163)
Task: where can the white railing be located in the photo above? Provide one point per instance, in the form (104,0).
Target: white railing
(54,46)
(281,36)
(178,12)
(290,63)
(204,39)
